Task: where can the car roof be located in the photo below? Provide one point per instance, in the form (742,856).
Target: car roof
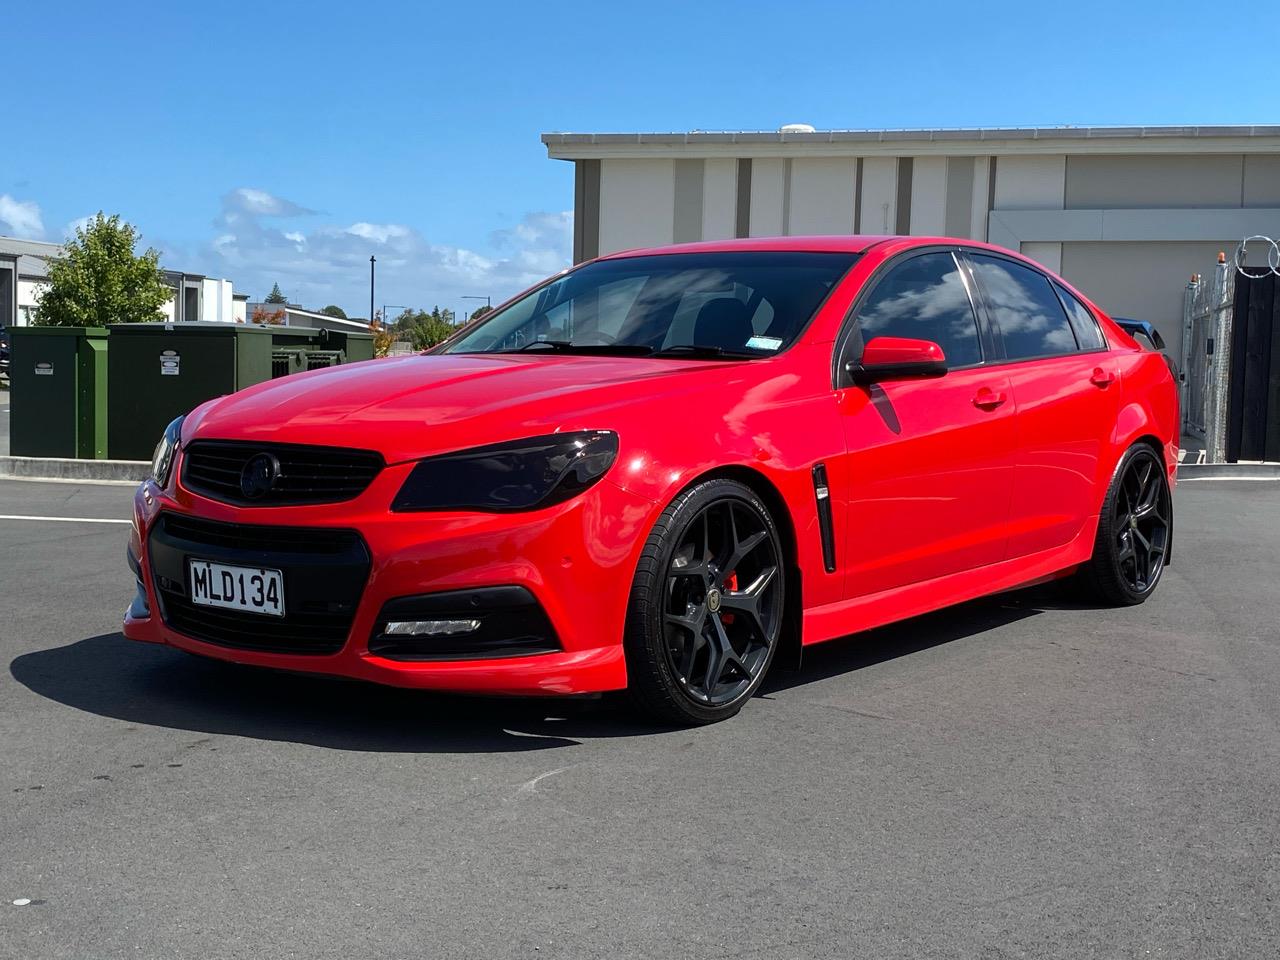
(820,244)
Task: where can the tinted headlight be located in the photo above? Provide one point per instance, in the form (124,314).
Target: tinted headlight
(521,475)
(162,459)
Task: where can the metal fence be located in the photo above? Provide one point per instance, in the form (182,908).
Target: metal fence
(1206,357)
(1208,334)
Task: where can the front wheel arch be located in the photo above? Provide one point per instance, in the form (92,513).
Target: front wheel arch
(789,650)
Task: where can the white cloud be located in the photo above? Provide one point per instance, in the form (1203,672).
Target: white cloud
(259,203)
(20,218)
(379,232)
(79,223)
(330,263)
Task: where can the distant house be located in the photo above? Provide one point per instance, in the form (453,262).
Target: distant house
(24,268)
(296,316)
(24,271)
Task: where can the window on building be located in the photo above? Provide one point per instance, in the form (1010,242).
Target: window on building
(191,303)
(1022,302)
(7,280)
(1084,323)
(925,299)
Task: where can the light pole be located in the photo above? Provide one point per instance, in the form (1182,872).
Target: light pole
(487,302)
(372,261)
(392,306)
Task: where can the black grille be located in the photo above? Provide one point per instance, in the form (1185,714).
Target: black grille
(307,474)
(313,541)
(324,574)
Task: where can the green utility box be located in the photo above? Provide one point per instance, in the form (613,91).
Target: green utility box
(351,346)
(354,346)
(285,362)
(159,371)
(58,392)
(319,359)
(302,338)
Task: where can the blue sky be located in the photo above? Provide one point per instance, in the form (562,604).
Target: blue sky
(289,141)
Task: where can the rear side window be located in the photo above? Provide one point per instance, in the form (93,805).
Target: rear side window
(1086,326)
(1022,302)
(925,299)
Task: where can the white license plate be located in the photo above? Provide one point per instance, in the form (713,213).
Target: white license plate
(254,589)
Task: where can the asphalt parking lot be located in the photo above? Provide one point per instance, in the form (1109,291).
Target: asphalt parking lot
(1021,777)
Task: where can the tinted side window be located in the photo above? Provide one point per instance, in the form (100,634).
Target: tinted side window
(925,299)
(1086,326)
(1022,302)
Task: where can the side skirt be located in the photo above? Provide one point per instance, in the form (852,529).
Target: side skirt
(833,620)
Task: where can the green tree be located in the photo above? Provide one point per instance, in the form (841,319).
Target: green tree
(99,279)
(424,330)
(382,337)
(479,312)
(333,310)
(276,296)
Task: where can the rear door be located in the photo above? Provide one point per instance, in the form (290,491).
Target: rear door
(930,462)
(1066,388)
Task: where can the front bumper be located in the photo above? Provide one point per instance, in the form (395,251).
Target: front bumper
(574,560)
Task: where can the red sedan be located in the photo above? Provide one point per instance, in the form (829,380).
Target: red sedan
(653,470)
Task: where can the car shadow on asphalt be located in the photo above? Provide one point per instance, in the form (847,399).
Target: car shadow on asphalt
(902,639)
(110,676)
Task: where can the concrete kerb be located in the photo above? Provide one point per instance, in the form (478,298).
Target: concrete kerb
(54,468)
(1229,471)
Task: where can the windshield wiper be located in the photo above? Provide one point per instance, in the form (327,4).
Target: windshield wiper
(568,346)
(701,351)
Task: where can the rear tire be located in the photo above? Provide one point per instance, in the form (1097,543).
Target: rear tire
(1135,531)
(707,606)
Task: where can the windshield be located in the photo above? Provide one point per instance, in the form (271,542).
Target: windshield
(744,304)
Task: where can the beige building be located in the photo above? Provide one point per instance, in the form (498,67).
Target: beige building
(1126,214)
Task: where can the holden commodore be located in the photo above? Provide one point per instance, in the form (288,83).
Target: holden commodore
(655,470)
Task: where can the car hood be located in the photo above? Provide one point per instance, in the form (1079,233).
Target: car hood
(416,406)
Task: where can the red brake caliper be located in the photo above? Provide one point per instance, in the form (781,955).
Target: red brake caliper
(730,584)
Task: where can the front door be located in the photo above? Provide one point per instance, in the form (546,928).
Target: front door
(930,461)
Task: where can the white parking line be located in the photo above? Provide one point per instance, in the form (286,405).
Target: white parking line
(15,516)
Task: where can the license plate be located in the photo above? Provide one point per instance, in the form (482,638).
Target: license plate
(254,589)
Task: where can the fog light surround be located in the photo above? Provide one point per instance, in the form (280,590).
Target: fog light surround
(430,628)
(479,623)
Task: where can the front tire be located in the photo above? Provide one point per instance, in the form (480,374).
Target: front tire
(707,605)
(1135,531)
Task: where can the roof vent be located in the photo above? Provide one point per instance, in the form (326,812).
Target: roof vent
(797,128)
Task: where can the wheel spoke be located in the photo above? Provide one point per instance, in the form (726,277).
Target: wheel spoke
(747,602)
(1126,549)
(691,621)
(1142,558)
(721,657)
(1149,492)
(742,548)
(1143,511)
(691,647)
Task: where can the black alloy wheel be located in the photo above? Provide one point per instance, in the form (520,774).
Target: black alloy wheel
(707,605)
(1135,530)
